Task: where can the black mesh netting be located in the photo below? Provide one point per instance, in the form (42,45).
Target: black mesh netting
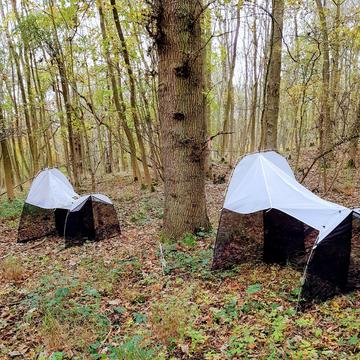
(35,223)
(105,220)
(60,217)
(328,268)
(94,221)
(79,225)
(334,266)
(271,235)
(239,239)
(354,266)
(283,238)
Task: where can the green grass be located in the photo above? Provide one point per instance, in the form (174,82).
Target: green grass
(11,210)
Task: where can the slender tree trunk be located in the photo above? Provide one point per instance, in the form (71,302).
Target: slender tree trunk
(325,127)
(63,128)
(230,89)
(208,86)
(119,110)
(45,127)
(335,74)
(9,182)
(155,158)
(12,94)
(274,76)
(254,98)
(28,121)
(125,54)
(182,115)
(16,165)
(58,56)
(69,121)
(354,146)
(28,100)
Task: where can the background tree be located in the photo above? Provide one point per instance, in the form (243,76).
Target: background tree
(93,110)
(273,78)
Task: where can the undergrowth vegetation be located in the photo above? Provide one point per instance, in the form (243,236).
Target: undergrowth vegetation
(11,211)
(11,269)
(142,296)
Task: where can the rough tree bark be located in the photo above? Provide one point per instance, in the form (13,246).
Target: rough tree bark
(271,113)
(182,114)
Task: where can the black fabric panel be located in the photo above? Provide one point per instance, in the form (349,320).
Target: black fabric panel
(106,223)
(35,223)
(354,267)
(283,238)
(328,268)
(79,225)
(60,217)
(239,239)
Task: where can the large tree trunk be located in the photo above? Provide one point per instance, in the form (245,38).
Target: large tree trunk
(182,115)
(273,85)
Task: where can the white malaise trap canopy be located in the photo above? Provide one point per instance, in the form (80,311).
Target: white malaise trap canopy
(265,180)
(267,213)
(53,207)
(51,190)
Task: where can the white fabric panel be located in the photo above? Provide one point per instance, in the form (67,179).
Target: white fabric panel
(51,190)
(101,198)
(279,161)
(80,202)
(357,213)
(262,181)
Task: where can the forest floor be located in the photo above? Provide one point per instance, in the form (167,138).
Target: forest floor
(114,300)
